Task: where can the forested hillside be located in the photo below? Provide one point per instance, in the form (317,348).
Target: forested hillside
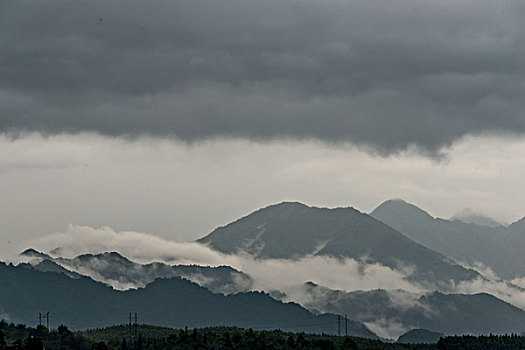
(145,337)
(84,303)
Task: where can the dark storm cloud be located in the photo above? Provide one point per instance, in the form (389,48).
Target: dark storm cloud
(386,74)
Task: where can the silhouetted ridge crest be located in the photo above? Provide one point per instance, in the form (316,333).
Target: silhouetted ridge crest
(292,230)
(418,336)
(400,207)
(175,302)
(31,252)
(109,256)
(118,271)
(498,247)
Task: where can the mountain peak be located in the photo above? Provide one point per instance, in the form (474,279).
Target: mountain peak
(294,205)
(399,207)
(286,205)
(283,230)
(289,204)
(30,251)
(471,217)
(33,253)
(110,256)
(420,336)
(293,230)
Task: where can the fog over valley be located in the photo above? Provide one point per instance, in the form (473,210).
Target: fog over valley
(409,293)
(278,174)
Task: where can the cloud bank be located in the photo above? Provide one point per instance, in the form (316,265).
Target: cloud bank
(268,274)
(386,75)
(512,291)
(284,279)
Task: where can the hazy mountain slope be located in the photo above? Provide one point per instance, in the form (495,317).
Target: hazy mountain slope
(33,253)
(418,336)
(83,303)
(47,265)
(497,247)
(514,246)
(292,230)
(470,217)
(395,311)
(121,273)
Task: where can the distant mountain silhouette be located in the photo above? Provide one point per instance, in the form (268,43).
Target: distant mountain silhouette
(420,336)
(294,230)
(471,217)
(33,253)
(84,303)
(450,314)
(500,248)
(122,273)
(47,265)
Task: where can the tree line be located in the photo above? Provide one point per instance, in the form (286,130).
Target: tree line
(20,337)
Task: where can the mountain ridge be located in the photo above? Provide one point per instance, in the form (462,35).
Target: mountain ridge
(294,230)
(84,303)
(121,273)
(499,248)
(398,310)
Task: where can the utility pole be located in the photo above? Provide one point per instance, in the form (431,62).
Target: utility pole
(346,325)
(339,325)
(136,327)
(41,316)
(130,329)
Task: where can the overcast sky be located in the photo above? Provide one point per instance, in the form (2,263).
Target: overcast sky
(174,117)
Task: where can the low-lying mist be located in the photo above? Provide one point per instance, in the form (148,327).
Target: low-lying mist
(268,274)
(282,278)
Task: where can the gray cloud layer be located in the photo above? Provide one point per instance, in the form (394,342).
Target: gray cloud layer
(385,74)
